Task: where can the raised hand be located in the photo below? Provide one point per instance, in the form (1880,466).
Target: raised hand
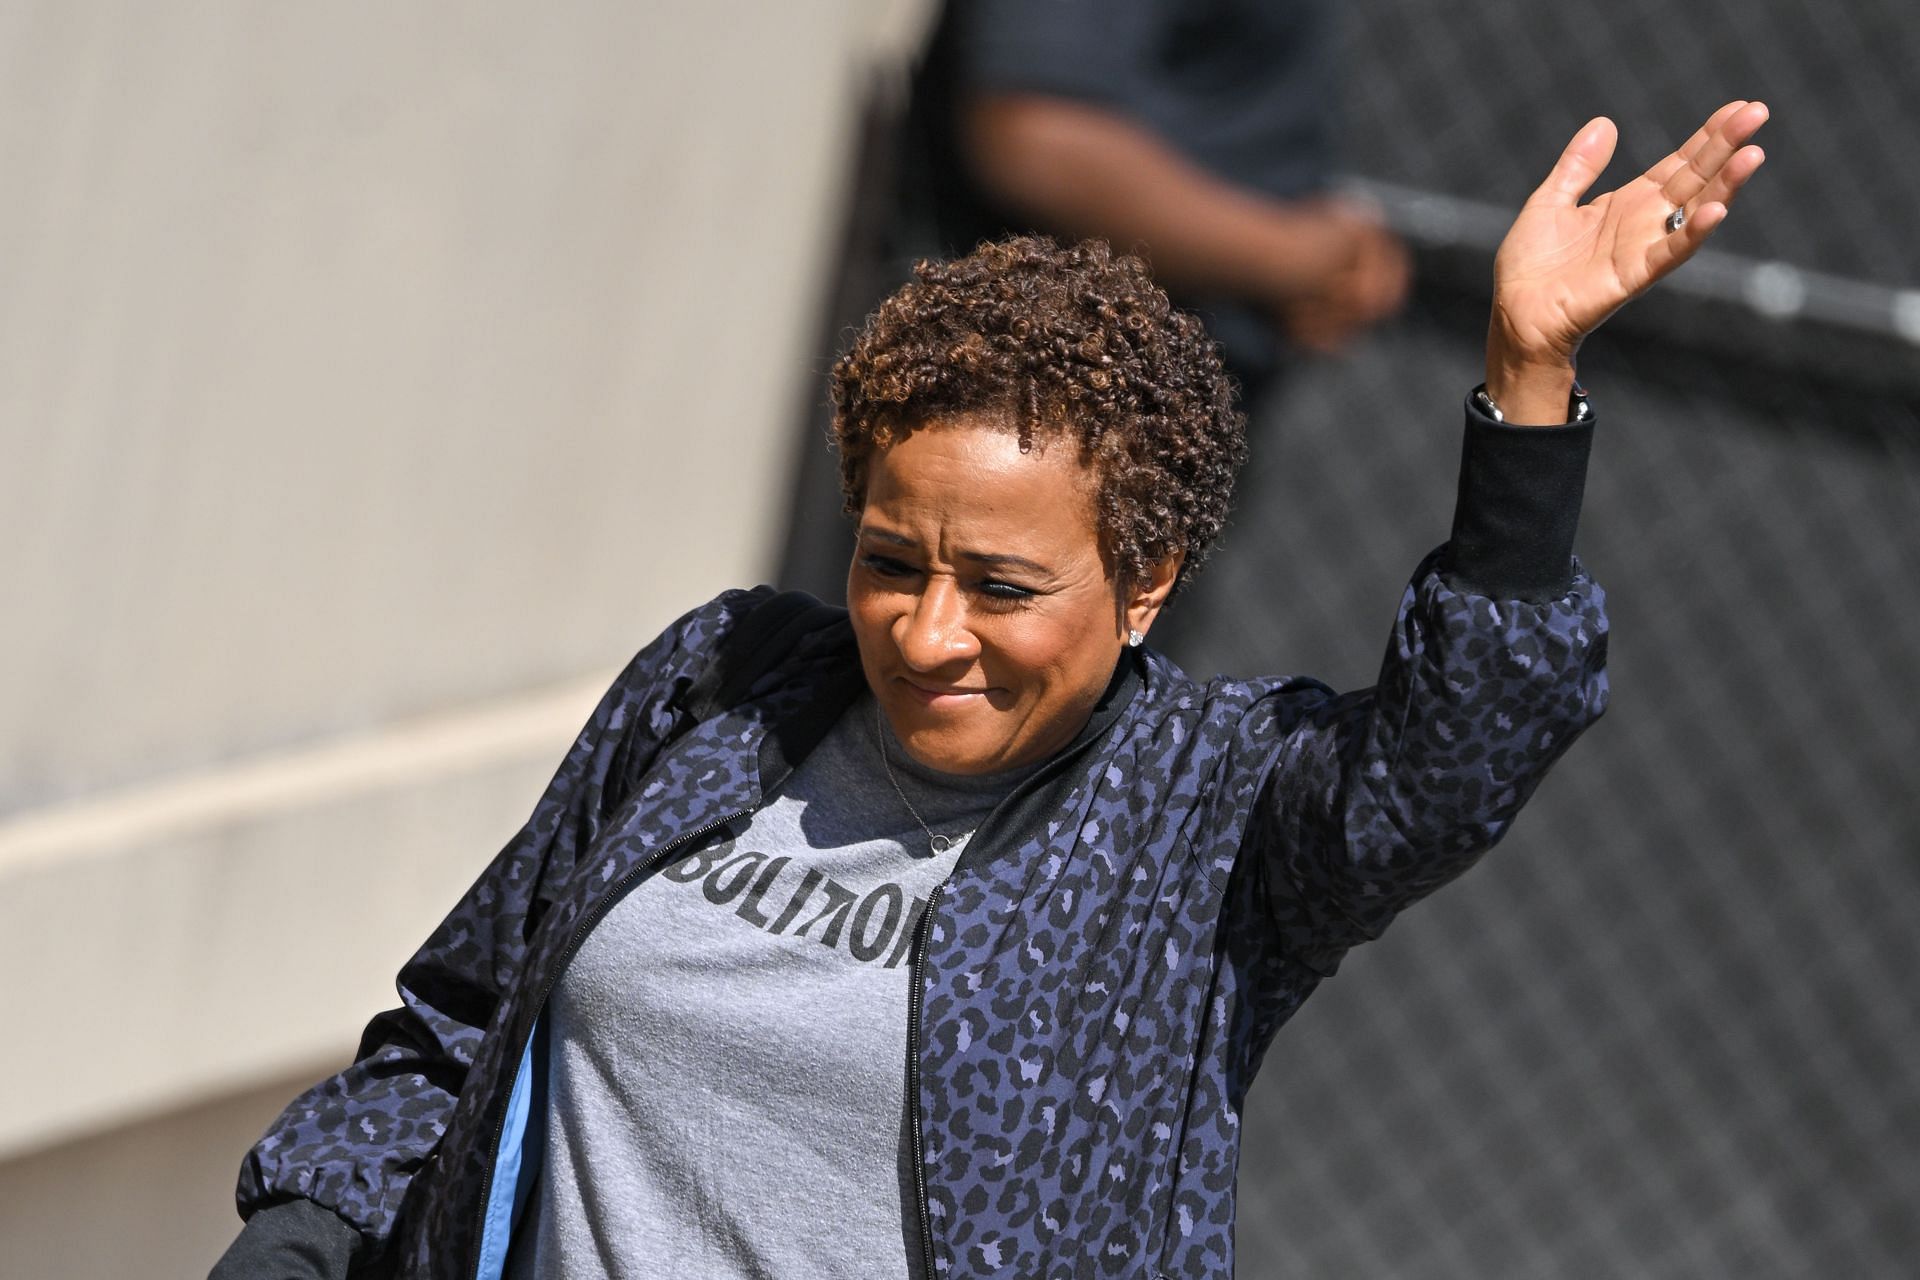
(1564,266)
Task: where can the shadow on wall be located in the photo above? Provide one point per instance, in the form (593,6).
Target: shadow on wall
(167,1183)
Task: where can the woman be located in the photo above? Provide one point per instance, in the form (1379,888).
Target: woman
(973,817)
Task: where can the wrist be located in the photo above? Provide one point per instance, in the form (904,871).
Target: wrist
(1531,391)
(1531,382)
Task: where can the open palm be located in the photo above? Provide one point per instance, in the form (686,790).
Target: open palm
(1564,266)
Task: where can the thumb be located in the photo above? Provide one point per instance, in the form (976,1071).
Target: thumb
(1582,162)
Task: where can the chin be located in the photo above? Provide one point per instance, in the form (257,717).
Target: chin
(949,747)
(947,751)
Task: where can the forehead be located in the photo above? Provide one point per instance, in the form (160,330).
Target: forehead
(964,478)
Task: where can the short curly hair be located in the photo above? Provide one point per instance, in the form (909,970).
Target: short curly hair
(1068,339)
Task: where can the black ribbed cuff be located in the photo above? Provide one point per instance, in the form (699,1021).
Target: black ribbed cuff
(1518,507)
(293,1240)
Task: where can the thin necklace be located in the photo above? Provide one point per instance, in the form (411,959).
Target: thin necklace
(939,844)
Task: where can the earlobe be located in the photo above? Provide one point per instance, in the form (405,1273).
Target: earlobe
(1147,603)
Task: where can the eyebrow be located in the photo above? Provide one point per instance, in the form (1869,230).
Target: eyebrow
(991,559)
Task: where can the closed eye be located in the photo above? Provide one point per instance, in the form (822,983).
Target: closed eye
(998,590)
(887,566)
(994,590)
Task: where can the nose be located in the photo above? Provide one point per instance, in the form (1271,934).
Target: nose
(934,632)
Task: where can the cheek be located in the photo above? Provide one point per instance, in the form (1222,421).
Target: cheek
(1044,654)
(868,628)
(872,615)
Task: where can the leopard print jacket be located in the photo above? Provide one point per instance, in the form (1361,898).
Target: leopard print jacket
(1096,983)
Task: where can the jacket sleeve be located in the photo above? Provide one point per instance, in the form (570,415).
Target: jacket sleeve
(351,1144)
(1496,663)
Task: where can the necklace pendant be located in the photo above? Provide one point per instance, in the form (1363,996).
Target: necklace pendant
(943,844)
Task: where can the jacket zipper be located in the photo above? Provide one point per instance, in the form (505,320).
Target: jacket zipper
(924,927)
(913,1078)
(581,929)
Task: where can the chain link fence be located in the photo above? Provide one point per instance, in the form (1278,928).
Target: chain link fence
(1668,1029)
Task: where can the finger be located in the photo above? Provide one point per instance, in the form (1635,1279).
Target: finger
(1700,166)
(1733,175)
(1705,162)
(1377,283)
(1675,248)
(1582,162)
(1665,167)
(1670,251)
(1393,277)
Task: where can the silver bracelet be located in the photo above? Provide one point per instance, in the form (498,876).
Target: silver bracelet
(1578,410)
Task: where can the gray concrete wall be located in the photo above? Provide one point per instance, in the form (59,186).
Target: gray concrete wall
(150,1199)
(373,380)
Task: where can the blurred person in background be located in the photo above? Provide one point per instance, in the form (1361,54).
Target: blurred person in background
(1200,135)
(943,935)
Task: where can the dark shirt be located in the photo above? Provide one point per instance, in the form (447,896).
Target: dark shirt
(1243,89)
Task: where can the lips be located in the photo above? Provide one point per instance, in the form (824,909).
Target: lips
(940,696)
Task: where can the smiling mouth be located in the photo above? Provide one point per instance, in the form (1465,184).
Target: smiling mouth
(942,697)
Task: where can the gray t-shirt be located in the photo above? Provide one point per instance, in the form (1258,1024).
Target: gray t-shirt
(727,1051)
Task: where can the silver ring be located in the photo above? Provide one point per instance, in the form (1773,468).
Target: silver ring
(1676,220)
